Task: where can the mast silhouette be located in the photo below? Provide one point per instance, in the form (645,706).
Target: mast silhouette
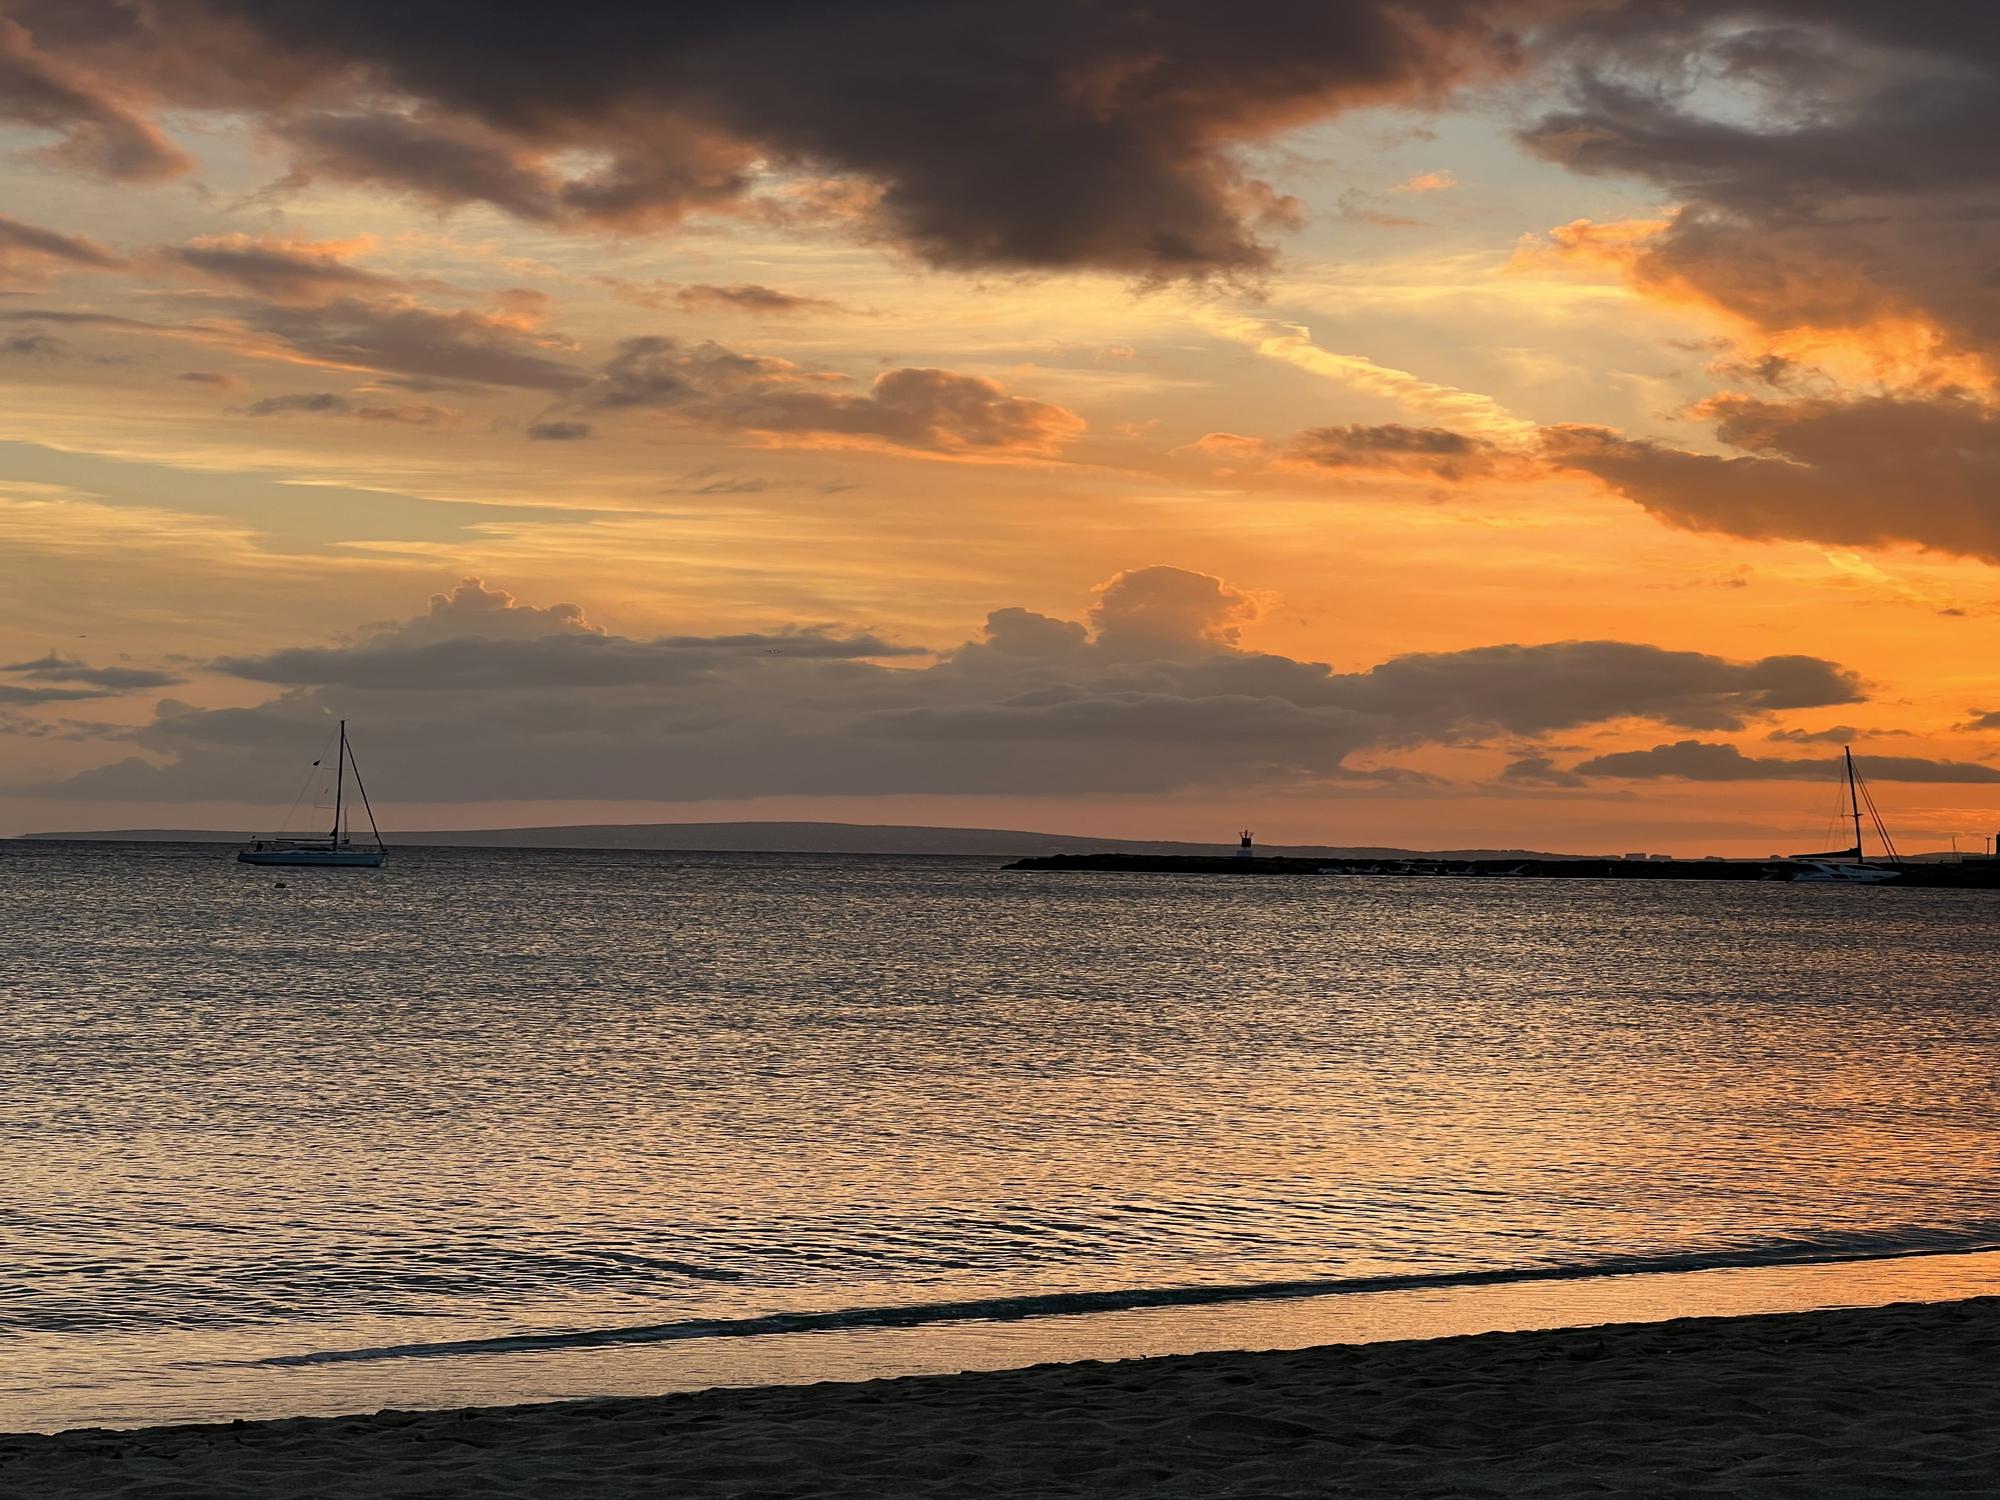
(1853,798)
(341,771)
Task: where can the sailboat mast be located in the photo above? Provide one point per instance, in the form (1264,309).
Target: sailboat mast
(1855,801)
(341,773)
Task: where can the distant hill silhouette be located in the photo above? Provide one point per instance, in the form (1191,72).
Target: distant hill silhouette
(804,838)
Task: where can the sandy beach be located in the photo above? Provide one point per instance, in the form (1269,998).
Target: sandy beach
(1902,1400)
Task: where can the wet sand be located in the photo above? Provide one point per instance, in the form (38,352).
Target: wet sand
(1890,1401)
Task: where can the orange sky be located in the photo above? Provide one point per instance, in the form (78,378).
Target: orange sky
(1444,358)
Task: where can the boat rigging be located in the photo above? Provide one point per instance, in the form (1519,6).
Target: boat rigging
(338,849)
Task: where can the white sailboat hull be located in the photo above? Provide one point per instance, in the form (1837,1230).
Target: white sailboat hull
(333,851)
(1829,873)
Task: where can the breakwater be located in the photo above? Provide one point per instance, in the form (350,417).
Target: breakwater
(1983,875)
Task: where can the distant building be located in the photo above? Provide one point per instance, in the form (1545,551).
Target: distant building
(1243,849)
(1632,856)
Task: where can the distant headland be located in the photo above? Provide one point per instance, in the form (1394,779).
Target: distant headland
(803,838)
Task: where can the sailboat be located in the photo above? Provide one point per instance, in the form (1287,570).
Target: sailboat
(337,850)
(1850,866)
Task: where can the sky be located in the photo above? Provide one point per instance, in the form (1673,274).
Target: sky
(1554,424)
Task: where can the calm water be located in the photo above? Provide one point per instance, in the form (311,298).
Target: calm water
(481,1095)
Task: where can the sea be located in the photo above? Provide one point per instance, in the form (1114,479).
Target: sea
(490,1125)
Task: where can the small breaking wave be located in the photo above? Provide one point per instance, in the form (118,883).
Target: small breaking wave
(1814,1251)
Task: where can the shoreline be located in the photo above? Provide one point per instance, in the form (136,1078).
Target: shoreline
(1832,1403)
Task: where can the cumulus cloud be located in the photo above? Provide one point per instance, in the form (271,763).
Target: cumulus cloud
(1699,760)
(937,410)
(482,697)
(1041,135)
(1166,613)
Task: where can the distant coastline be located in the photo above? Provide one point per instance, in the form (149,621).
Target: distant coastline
(803,838)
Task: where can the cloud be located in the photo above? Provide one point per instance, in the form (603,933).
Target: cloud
(934,410)
(331,404)
(24,696)
(1838,734)
(446,161)
(559,432)
(1868,471)
(217,378)
(1428,182)
(1830,157)
(1436,451)
(284,271)
(481,697)
(1539,770)
(1292,344)
(403,337)
(33,346)
(95,132)
(1987,720)
(737,297)
(56,668)
(30,255)
(1166,613)
(1698,760)
(1041,136)
(1532,690)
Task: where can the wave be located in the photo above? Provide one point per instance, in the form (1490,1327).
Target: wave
(1820,1250)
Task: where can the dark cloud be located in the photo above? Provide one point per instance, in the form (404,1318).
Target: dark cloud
(483,698)
(938,410)
(332,404)
(1697,760)
(406,338)
(1871,471)
(1429,450)
(1987,720)
(1850,181)
(25,696)
(94,131)
(1532,690)
(447,162)
(56,668)
(473,663)
(209,377)
(33,346)
(29,254)
(1042,135)
(276,270)
(558,432)
(747,297)
(1539,770)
